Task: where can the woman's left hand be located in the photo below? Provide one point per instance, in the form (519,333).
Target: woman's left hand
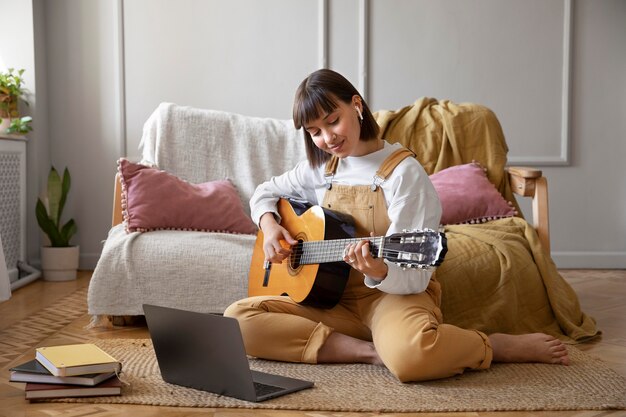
(359,257)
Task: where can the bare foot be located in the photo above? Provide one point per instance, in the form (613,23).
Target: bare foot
(340,348)
(533,347)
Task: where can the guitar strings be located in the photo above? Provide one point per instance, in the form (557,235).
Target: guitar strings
(390,255)
(324,246)
(337,254)
(314,255)
(311,248)
(320,251)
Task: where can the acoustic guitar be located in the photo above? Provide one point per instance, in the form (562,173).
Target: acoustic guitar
(315,273)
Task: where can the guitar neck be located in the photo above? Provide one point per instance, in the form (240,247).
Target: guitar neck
(323,251)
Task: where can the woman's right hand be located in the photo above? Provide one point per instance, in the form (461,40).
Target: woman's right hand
(273,235)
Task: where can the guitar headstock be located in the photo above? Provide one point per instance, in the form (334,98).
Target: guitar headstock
(416,248)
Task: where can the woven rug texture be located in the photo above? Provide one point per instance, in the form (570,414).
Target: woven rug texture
(587,384)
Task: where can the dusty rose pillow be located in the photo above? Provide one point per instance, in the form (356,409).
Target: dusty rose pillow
(156,200)
(467,196)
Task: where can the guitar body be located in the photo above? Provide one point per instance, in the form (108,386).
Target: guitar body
(321,284)
(315,273)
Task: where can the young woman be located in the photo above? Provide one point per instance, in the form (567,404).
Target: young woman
(386,315)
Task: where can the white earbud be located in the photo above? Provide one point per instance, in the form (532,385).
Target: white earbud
(359,113)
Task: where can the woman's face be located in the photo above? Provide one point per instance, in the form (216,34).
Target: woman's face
(338,132)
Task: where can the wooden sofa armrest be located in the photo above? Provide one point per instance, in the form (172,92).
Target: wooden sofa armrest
(530,182)
(117,217)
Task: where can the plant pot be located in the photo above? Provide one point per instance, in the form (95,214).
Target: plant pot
(5,122)
(59,264)
(4,125)
(8,105)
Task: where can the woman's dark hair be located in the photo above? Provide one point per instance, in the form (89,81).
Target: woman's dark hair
(318,94)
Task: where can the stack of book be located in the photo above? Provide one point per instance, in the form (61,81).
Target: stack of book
(80,370)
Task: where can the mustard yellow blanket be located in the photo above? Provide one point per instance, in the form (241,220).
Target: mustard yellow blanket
(496,277)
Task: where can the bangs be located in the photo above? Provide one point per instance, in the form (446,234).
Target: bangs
(310,105)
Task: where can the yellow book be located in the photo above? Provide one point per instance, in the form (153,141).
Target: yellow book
(68,360)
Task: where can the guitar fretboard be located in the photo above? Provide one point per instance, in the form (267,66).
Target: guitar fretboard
(323,251)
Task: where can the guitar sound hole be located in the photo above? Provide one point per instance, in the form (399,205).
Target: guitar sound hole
(296,255)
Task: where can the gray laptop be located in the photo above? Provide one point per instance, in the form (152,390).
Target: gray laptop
(206,352)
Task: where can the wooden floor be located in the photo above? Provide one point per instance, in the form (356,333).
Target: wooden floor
(602,294)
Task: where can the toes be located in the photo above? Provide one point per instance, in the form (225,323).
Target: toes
(551,341)
(563,360)
(559,348)
(560,357)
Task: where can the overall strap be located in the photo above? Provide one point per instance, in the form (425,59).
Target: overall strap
(331,168)
(389,164)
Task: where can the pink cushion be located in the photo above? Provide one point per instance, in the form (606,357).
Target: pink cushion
(467,196)
(155,200)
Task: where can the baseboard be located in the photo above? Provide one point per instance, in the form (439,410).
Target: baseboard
(589,260)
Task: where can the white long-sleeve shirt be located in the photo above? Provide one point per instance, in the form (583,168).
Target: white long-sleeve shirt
(412,202)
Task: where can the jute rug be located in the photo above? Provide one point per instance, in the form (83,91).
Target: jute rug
(587,384)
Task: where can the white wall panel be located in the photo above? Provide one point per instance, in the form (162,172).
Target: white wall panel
(505,54)
(83,115)
(343,24)
(243,56)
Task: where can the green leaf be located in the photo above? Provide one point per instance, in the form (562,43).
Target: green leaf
(54,196)
(21,125)
(68,230)
(65,189)
(46,224)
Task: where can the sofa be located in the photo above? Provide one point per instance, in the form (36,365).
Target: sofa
(497,275)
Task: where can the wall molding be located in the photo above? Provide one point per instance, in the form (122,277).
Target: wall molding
(564,157)
(322,33)
(363,65)
(121,76)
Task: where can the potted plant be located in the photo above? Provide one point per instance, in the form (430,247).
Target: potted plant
(11,92)
(59,259)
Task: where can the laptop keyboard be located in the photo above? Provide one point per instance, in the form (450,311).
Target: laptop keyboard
(264,389)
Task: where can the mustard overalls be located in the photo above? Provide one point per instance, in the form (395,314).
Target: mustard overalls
(407,330)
